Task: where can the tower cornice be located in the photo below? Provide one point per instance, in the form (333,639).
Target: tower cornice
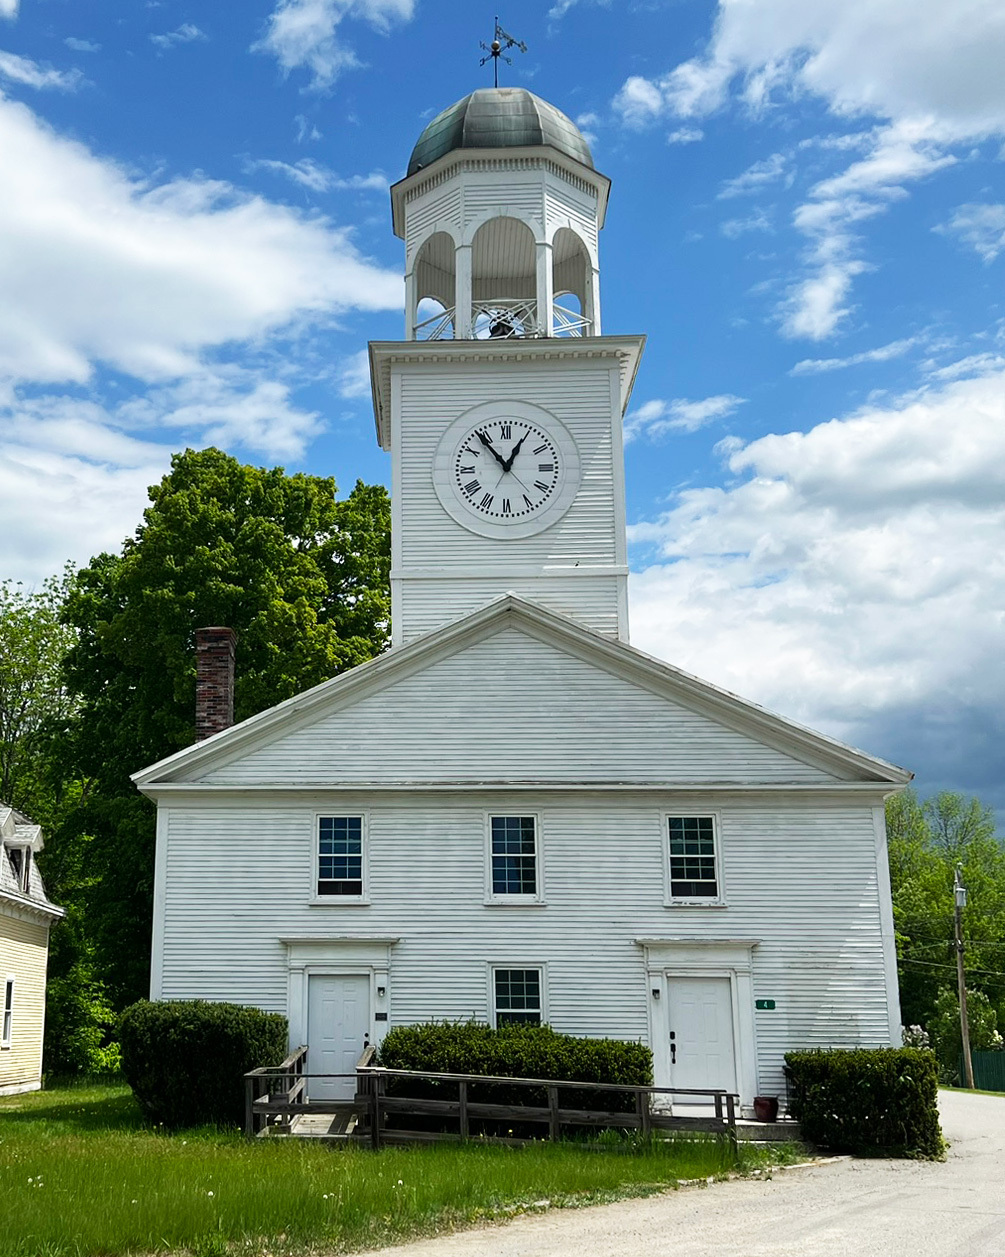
(385,354)
(466,160)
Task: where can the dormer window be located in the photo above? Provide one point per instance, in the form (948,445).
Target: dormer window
(20,862)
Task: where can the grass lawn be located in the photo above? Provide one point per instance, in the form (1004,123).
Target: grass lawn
(81,1174)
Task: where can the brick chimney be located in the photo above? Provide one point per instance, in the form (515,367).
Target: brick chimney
(214,680)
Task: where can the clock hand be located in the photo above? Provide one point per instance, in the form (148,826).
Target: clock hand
(492,450)
(508,464)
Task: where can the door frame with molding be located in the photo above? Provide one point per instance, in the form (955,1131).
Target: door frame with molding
(666,959)
(336,958)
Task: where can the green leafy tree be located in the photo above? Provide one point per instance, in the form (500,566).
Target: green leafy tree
(34,700)
(926,843)
(36,714)
(947,1037)
(300,575)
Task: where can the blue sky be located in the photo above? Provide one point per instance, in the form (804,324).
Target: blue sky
(807,220)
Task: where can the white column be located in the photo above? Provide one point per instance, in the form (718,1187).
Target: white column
(545,289)
(462,292)
(592,310)
(411,312)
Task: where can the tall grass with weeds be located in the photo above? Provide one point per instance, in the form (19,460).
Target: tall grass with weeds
(80,1175)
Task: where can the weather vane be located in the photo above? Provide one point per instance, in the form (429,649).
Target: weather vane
(498,48)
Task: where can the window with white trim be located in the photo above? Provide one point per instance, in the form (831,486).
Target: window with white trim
(517,996)
(340,856)
(8,1011)
(693,859)
(513,856)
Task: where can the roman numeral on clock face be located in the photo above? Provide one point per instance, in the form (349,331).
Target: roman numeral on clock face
(472,487)
(486,501)
(539,484)
(543,467)
(506,507)
(506,431)
(467,471)
(540,449)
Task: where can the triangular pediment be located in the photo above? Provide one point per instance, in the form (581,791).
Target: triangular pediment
(516,694)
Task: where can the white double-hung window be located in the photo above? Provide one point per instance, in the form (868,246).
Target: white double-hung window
(517,997)
(514,873)
(8,1012)
(340,863)
(693,860)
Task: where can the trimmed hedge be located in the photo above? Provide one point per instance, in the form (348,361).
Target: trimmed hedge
(518,1051)
(871,1102)
(186,1059)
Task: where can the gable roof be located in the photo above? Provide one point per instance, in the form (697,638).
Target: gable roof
(836,762)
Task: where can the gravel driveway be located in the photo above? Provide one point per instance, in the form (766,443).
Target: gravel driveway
(849,1208)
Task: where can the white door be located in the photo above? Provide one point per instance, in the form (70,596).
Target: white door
(700,1049)
(338,1025)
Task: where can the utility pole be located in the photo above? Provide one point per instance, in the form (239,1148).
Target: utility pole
(960,898)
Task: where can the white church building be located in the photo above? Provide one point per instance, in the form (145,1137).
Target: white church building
(513,814)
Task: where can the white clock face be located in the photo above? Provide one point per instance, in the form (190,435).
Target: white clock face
(506,469)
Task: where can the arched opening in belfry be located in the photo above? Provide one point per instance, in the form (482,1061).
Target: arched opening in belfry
(435,288)
(571,275)
(504,279)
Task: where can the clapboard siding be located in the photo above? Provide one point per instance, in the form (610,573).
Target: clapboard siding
(440,208)
(801,879)
(592,600)
(532,712)
(431,399)
(24,949)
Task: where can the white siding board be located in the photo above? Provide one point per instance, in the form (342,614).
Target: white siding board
(431,399)
(530,711)
(798,873)
(428,604)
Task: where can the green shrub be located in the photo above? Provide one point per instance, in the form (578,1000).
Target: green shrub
(878,1101)
(186,1060)
(518,1051)
(944,1030)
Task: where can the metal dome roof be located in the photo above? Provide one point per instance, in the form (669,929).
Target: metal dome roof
(499,117)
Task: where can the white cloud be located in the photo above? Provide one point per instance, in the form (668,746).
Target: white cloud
(306,130)
(99,267)
(81,45)
(639,101)
(854,575)
(8,8)
(83,480)
(759,220)
(882,58)
(930,71)
(655,418)
(904,151)
(755,177)
(686,135)
(181,289)
(883,353)
(30,74)
(355,378)
(980,226)
(317,178)
(305,33)
(184,34)
(226,406)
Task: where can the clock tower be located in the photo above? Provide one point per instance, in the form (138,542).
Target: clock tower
(502,408)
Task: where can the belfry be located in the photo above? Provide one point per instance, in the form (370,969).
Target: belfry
(502,407)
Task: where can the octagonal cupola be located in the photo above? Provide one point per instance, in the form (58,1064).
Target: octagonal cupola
(500,211)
